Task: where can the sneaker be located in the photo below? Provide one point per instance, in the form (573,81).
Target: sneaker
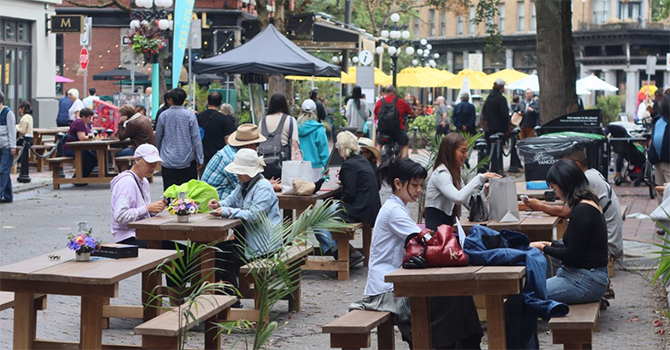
(355,258)
(5,200)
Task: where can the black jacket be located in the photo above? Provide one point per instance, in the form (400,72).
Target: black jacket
(530,119)
(495,113)
(360,194)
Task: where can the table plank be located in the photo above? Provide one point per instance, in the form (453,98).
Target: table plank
(121,269)
(454,273)
(538,220)
(152,223)
(521,189)
(21,270)
(500,272)
(409,275)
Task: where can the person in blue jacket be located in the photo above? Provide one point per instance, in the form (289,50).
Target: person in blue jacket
(464,115)
(313,139)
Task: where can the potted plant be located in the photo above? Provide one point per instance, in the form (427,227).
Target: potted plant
(83,244)
(183,207)
(147,38)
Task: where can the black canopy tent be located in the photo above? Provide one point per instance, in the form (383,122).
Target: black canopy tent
(267,53)
(119,74)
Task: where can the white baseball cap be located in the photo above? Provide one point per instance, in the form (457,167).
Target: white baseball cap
(308,106)
(148,152)
(500,81)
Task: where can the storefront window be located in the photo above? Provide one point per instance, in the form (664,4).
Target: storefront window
(10,78)
(10,30)
(23,71)
(24,32)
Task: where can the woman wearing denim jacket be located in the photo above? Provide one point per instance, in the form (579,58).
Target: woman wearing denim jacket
(582,277)
(253,195)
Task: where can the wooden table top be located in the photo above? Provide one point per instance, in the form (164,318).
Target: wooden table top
(198,222)
(521,189)
(98,271)
(528,220)
(323,194)
(464,273)
(51,131)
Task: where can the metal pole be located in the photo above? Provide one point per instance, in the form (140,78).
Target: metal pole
(132,71)
(347,20)
(190,81)
(394,60)
(228,91)
(85,78)
(155,88)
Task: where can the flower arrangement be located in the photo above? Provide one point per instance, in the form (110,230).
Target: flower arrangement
(83,242)
(147,38)
(182,207)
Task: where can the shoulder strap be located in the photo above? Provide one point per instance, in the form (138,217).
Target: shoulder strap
(290,128)
(280,126)
(609,198)
(264,126)
(3,115)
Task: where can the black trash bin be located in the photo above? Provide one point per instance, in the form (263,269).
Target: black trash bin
(540,153)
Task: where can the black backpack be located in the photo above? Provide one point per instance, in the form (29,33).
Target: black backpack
(388,118)
(272,150)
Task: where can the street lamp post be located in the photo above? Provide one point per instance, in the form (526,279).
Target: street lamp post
(393,34)
(148,27)
(424,54)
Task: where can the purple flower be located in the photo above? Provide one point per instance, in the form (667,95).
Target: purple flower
(91,242)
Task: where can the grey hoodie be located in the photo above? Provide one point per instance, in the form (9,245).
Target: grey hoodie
(8,131)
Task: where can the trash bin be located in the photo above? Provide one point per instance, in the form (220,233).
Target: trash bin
(540,153)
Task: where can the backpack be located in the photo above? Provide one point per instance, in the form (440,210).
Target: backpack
(388,118)
(274,154)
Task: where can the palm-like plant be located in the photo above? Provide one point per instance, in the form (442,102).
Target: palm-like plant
(274,276)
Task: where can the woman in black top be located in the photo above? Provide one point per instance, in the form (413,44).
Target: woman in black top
(582,277)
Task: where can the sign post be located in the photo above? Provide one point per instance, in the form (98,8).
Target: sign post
(667,62)
(83,64)
(651,69)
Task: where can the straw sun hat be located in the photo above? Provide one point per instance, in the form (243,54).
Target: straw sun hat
(245,134)
(247,162)
(368,144)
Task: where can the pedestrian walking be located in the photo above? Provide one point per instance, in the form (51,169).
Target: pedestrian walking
(88,101)
(64,105)
(313,139)
(214,126)
(357,111)
(465,115)
(7,149)
(529,109)
(441,117)
(178,140)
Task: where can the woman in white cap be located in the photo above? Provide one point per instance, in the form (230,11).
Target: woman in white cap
(131,198)
(252,196)
(313,139)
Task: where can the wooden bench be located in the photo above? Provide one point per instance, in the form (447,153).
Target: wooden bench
(7,301)
(575,331)
(55,164)
(297,256)
(341,264)
(352,331)
(123,163)
(163,331)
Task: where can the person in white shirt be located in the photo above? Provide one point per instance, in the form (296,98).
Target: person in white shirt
(88,101)
(446,191)
(77,105)
(451,323)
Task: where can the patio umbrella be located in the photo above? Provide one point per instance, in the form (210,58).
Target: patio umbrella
(309,78)
(508,75)
(478,80)
(532,82)
(593,83)
(381,78)
(119,74)
(423,77)
(60,79)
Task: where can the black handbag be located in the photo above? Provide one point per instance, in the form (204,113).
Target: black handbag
(478,210)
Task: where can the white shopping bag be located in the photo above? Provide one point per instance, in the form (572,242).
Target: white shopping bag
(503,206)
(294,169)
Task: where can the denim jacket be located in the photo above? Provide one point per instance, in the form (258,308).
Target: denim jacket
(260,198)
(485,246)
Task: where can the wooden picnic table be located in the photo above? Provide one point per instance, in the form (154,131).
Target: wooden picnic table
(101,147)
(201,228)
(94,281)
(291,203)
(494,282)
(537,225)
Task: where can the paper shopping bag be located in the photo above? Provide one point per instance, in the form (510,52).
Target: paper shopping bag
(294,169)
(503,206)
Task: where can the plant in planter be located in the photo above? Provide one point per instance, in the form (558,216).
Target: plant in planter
(147,38)
(83,244)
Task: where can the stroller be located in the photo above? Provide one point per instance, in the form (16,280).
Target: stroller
(634,151)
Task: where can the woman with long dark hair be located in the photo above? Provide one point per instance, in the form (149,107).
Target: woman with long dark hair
(446,190)
(357,111)
(582,277)
(278,108)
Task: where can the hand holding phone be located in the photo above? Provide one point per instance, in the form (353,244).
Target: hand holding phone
(524,197)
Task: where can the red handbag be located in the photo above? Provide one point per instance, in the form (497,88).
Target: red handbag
(433,249)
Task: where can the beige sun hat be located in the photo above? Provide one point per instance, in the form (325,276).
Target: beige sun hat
(247,162)
(245,134)
(368,144)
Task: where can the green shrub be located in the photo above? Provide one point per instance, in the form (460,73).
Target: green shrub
(243,117)
(611,107)
(425,124)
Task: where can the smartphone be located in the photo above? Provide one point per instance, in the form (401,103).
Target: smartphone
(524,197)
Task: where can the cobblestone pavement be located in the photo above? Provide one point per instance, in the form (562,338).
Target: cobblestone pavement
(39,219)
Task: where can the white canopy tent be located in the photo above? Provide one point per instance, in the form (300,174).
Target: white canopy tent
(532,82)
(593,83)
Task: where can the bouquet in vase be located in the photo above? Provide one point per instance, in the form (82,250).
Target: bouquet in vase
(182,207)
(83,242)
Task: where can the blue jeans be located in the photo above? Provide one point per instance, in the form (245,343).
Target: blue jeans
(125,152)
(6,160)
(578,286)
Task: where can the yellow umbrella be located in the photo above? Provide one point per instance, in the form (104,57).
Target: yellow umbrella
(381,78)
(309,78)
(508,75)
(478,80)
(420,77)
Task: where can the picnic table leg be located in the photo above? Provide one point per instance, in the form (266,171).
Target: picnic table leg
(149,281)
(207,264)
(342,255)
(294,298)
(102,162)
(212,336)
(421,333)
(288,214)
(24,320)
(105,320)
(367,239)
(91,323)
(78,164)
(495,318)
